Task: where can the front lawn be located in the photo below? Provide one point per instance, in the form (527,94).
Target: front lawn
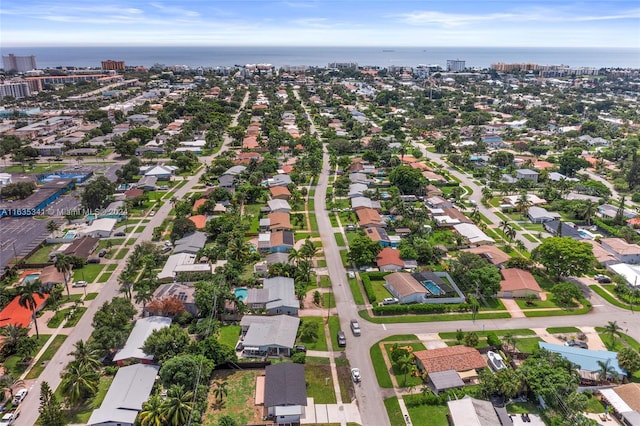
(82,414)
(409,380)
(528,344)
(42,255)
(321,343)
(334,327)
(379,366)
(560,330)
(13,363)
(432,415)
(88,272)
(358,298)
(617,343)
(431,318)
(41,362)
(229,335)
(339,239)
(319,383)
(536,304)
(393,411)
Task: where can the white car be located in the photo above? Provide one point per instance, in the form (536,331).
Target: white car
(79,284)
(9,418)
(19,396)
(355,375)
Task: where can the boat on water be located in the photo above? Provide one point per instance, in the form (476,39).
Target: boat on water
(495,361)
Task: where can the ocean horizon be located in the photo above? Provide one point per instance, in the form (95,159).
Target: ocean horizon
(221,56)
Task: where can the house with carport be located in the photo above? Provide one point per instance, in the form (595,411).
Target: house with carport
(132,351)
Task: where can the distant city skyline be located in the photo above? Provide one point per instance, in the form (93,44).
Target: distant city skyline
(499,23)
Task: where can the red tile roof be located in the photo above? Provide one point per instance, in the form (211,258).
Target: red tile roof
(15,314)
(198,203)
(133,193)
(368,217)
(518,279)
(389,256)
(281,192)
(199,220)
(459,358)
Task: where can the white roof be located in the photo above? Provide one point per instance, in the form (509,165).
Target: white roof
(278,330)
(278,204)
(173,261)
(143,329)
(538,212)
(614,399)
(105,224)
(532,198)
(631,273)
(160,171)
(472,233)
(472,412)
(198,143)
(195,267)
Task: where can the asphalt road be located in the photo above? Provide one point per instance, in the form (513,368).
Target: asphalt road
(110,289)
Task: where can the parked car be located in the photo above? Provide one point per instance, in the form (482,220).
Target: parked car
(390,301)
(355,328)
(342,339)
(152,213)
(355,375)
(576,344)
(93,260)
(119,234)
(19,396)
(102,253)
(300,348)
(351,274)
(602,279)
(79,284)
(165,249)
(9,418)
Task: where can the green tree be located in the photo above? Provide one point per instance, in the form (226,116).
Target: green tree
(486,278)
(52,226)
(85,356)
(50,411)
(63,265)
(309,331)
(629,360)
(614,331)
(79,382)
(152,413)
(471,339)
(166,343)
(26,299)
(607,372)
(407,179)
(363,251)
(177,408)
(565,293)
(577,401)
(220,391)
(97,194)
(564,256)
(125,148)
(13,335)
(404,364)
(181,227)
(227,420)
(183,370)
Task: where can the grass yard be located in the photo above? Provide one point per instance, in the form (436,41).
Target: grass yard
(229,334)
(379,290)
(334,327)
(111,268)
(38,168)
(559,330)
(393,411)
(522,408)
(347,392)
(88,272)
(610,298)
(41,362)
(13,363)
(42,255)
(325,281)
(432,415)
(451,335)
(339,239)
(528,344)
(75,319)
(343,256)
(82,414)
(402,380)
(586,307)
(594,406)
(430,318)
(328,301)
(122,253)
(105,277)
(91,296)
(239,402)
(530,238)
(379,366)
(322,263)
(536,304)
(313,221)
(321,343)
(619,342)
(358,298)
(318,387)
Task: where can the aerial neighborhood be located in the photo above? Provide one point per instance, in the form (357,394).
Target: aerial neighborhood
(349,244)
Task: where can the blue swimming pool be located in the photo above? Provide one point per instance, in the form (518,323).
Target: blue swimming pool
(241,294)
(29,278)
(433,288)
(69,235)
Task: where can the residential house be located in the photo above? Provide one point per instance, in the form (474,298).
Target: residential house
(50,276)
(631,273)
(280,180)
(438,202)
(280,193)
(587,360)
(285,392)
(358,203)
(532,199)
(132,193)
(199,220)
(567,229)
(473,234)
(183,292)
(161,172)
(622,250)
(459,358)
(602,256)
(379,235)
(540,215)
(370,218)
(389,260)
(608,211)
(440,381)
(279,206)
(360,178)
(423,287)
(279,221)
(558,177)
(147,183)
(277,258)
(277,296)
(190,243)
(82,247)
(129,389)
(357,190)
(625,402)
(264,336)
(132,350)
(197,204)
(527,174)
(469,411)
(99,228)
(16,314)
(276,242)
(518,283)
(491,253)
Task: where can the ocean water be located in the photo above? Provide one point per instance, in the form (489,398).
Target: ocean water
(321,56)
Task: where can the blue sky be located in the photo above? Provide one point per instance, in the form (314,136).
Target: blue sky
(512,23)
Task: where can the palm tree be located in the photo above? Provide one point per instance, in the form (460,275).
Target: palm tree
(177,408)
(151,414)
(308,249)
(523,203)
(509,340)
(588,211)
(63,265)
(510,233)
(8,383)
(220,391)
(27,299)
(504,225)
(613,330)
(404,364)
(294,256)
(143,295)
(79,382)
(52,226)
(85,356)
(607,372)
(13,334)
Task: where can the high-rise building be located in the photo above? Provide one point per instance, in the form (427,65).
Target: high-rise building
(111,65)
(455,65)
(12,62)
(17,89)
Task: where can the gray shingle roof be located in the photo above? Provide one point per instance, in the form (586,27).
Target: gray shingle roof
(285,385)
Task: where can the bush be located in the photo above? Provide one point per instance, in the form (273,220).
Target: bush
(111,370)
(635,197)
(299,357)
(368,288)
(421,308)
(493,339)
